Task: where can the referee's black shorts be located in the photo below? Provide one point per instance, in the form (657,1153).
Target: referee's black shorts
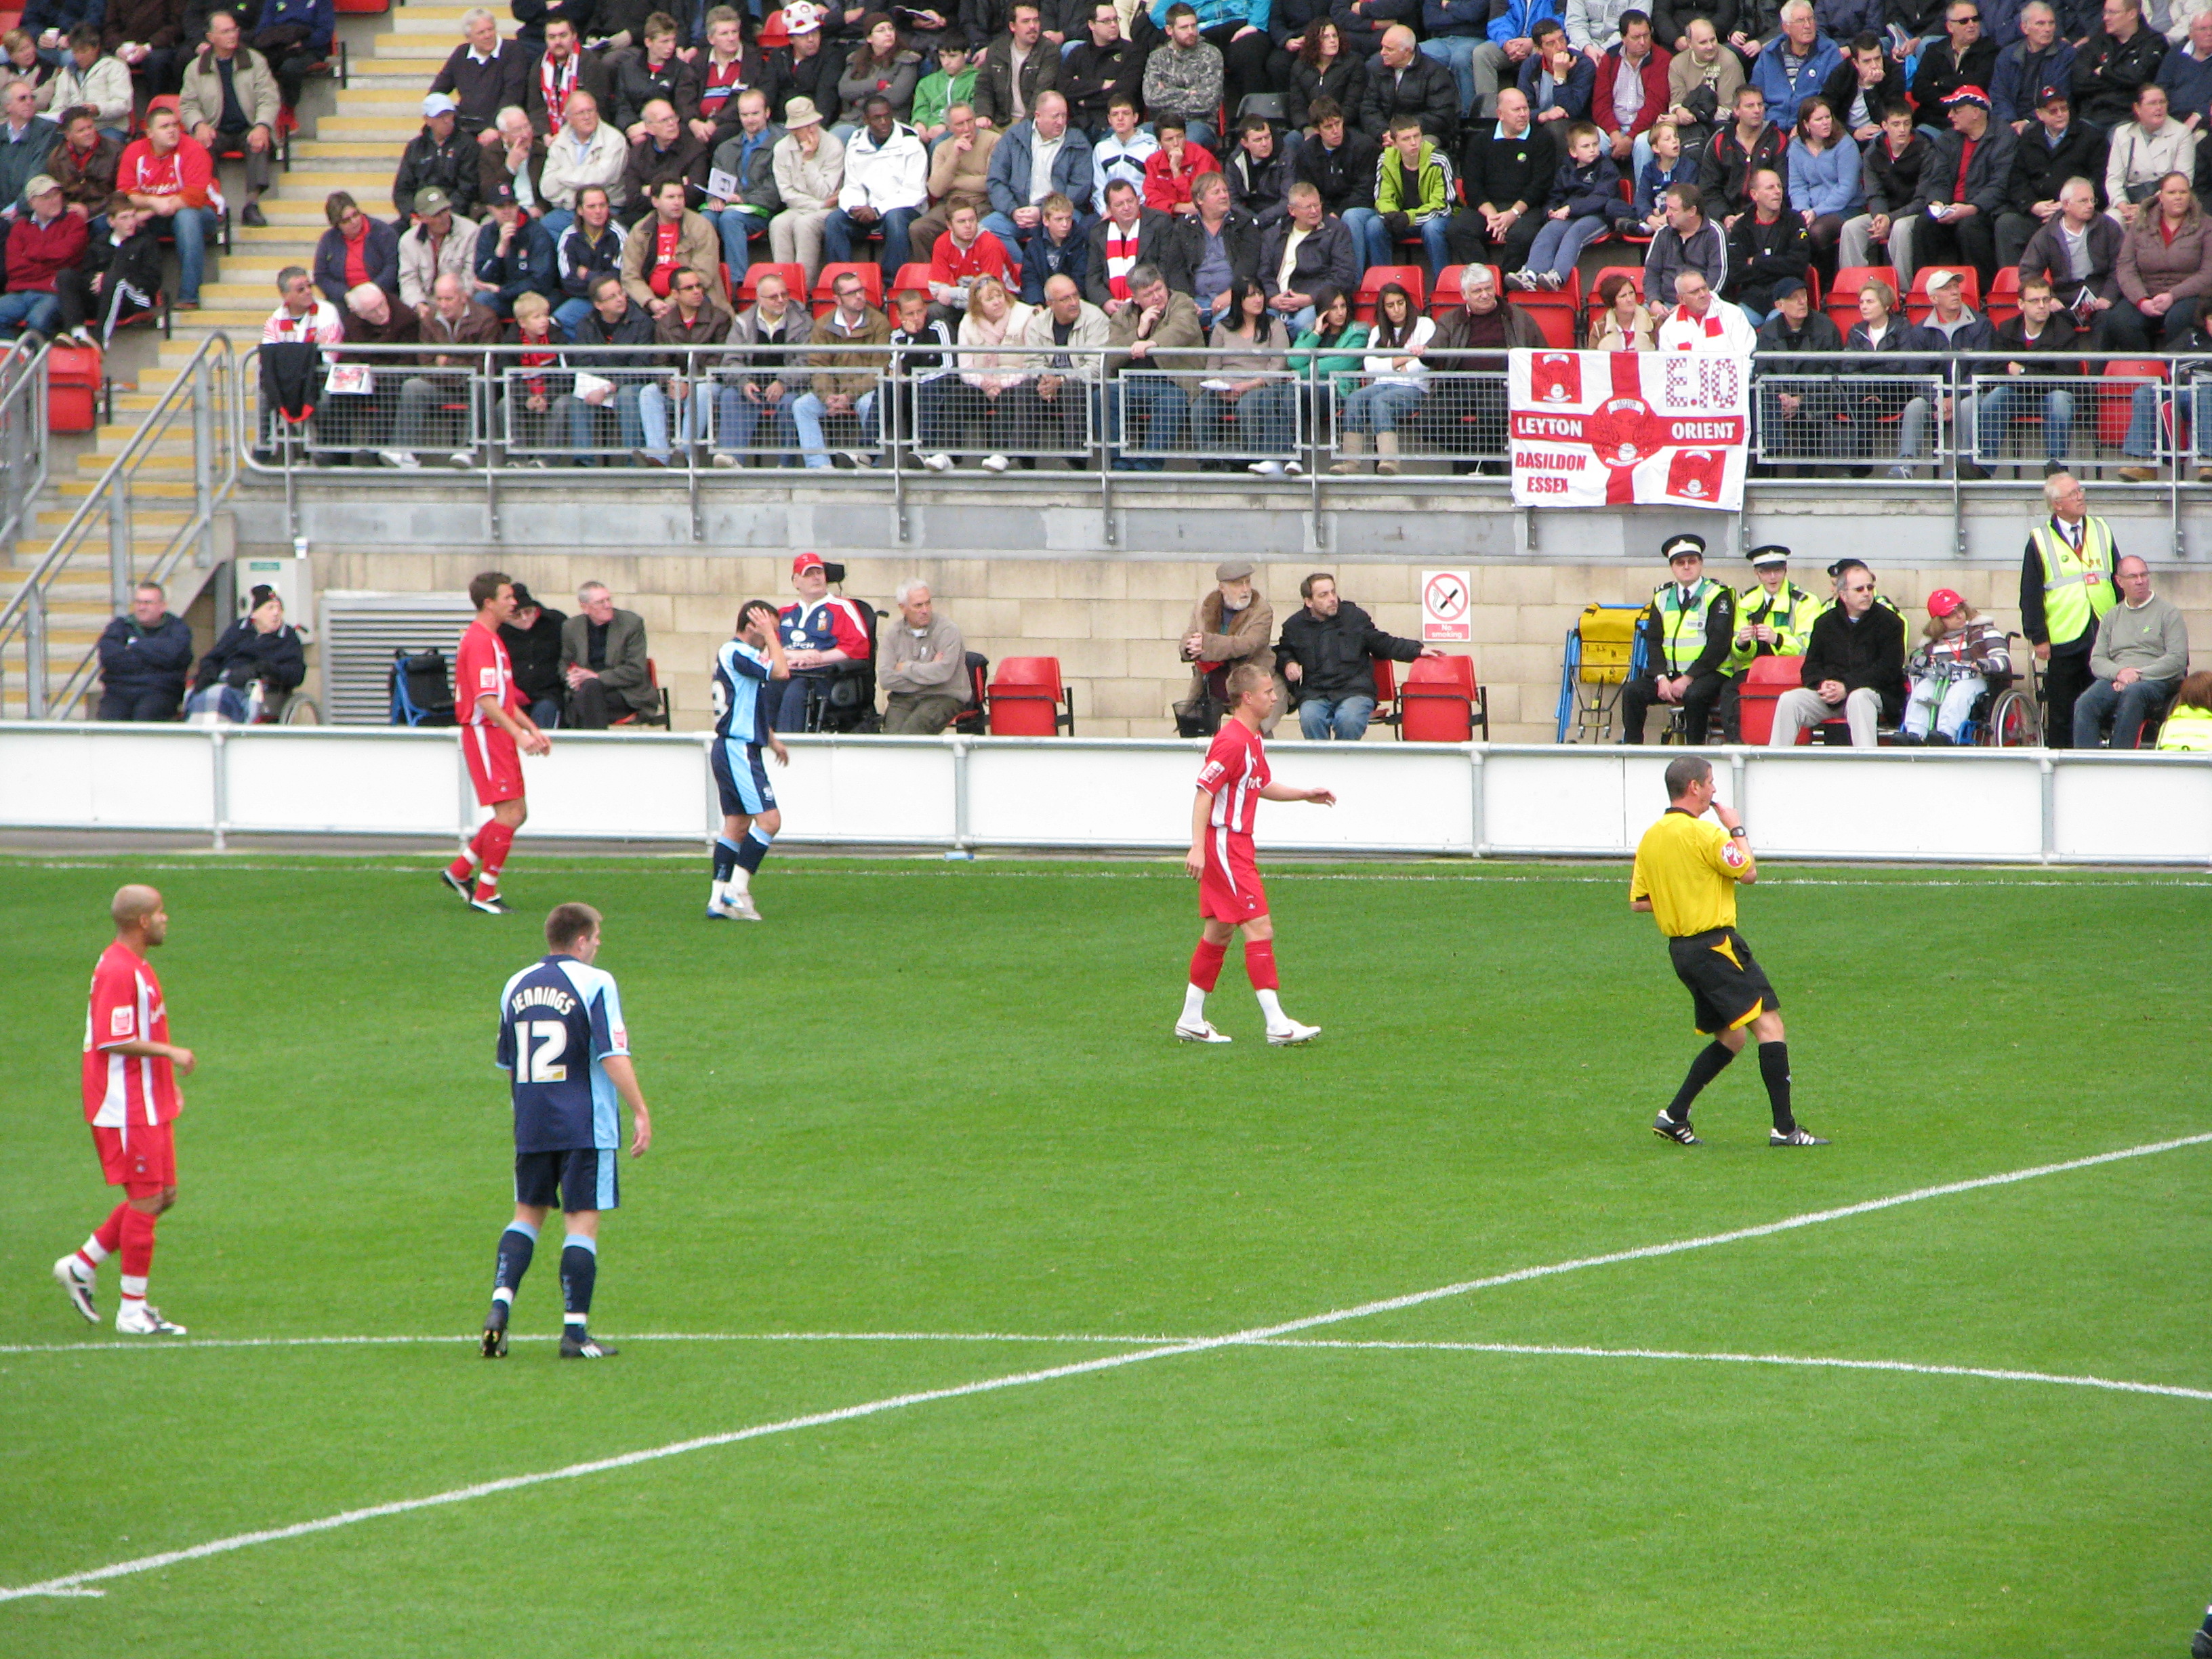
(1727,984)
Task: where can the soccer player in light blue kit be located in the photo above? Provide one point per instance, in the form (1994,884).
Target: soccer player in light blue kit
(750,818)
(563,1044)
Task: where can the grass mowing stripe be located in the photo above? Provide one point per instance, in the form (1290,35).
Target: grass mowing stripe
(1257,1336)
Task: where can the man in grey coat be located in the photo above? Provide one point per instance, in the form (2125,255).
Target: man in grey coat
(923,667)
(602,660)
(2140,654)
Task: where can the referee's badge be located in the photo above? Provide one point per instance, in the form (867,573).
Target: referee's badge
(1733,854)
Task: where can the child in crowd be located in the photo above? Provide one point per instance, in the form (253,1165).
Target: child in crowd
(1584,204)
(1058,252)
(1667,166)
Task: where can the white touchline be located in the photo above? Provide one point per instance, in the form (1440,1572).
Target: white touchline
(1256,1335)
(470,1338)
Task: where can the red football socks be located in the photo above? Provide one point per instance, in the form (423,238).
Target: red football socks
(1260,963)
(492,844)
(1205,964)
(137,1235)
(106,1238)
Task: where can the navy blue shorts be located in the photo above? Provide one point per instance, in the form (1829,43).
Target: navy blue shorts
(741,779)
(582,1178)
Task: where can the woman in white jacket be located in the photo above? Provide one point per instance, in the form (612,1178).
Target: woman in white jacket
(1397,380)
(101,83)
(810,170)
(988,376)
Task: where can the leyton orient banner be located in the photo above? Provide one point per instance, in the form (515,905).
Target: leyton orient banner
(1628,429)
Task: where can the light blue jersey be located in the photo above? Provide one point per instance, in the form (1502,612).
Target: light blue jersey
(740,712)
(559,1019)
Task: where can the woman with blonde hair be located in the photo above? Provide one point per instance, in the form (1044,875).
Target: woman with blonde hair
(1960,654)
(988,372)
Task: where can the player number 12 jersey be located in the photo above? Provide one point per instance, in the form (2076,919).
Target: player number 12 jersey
(559,1019)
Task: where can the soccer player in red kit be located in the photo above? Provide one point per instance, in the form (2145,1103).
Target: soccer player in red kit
(131,1098)
(497,731)
(1233,782)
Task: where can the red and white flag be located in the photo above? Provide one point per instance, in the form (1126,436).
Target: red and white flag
(1628,429)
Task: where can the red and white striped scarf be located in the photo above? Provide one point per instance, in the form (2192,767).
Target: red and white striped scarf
(556,81)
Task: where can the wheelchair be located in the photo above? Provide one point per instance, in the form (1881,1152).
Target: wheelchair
(2004,716)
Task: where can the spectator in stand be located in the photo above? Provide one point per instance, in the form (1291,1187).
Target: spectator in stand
(2065,591)
(2165,264)
(295,36)
(1593,26)
(1038,157)
(1703,80)
(1238,31)
(1146,399)
(881,65)
(1329,356)
(803,69)
(98,82)
(1470,344)
(1015,69)
(2038,60)
(1823,182)
(761,375)
(117,279)
(1739,150)
(230,102)
(533,651)
(1327,654)
(1231,624)
(1798,416)
(1058,249)
(1172,172)
(1097,71)
(2185,72)
(1258,174)
(591,249)
(953,82)
(45,242)
(355,249)
(924,670)
(2037,340)
(1327,67)
(658,72)
(1952,329)
(602,658)
(748,156)
(584,151)
(667,151)
(1767,245)
(1688,633)
(1399,83)
(1890,173)
(1555,78)
(358,427)
(2057,148)
(2114,63)
(620,377)
(2146,420)
(2144,151)
(846,370)
(1246,406)
(962,254)
(1210,250)
(84,162)
(452,336)
(1854,667)
(695,316)
(1952,218)
(823,633)
(440,157)
(1129,235)
(1960,652)
(529,421)
(1623,324)
(959,176)
(515,158)
(1797,64)
(1702,321)
(1397,382)
(1056,402)
(1367,23)
(1687,241)
(148,35)
(1415,191)
(169,176)
(300,318)
(1458,38)
(2139,659)
(20,53)
(1304,254)
(1120,152)
(537,17)
(1339,161)
(260,646)
(1877,407)
(441,243)
(672,239)
(1510,170)
(1965,57)
(1584,204)
(921,376)
(562,69)
(809,172)
(144,659)
(514,255)
(1631,89)
(1867,82)
(885,190)
(2188,729)
(485,75)
(982,397)
(731,66)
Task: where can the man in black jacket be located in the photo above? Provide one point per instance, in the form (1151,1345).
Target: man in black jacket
(144,659)
(613,321)
(1402,81)
(1740,148)
(1193,242)
(2054,148)
(2116,63)
(1113,256)
(1965,58)
(1508,170)
(1767,246)
(1854,665)
(1867,82)
(442,155)
(533,649)
(2041,342)
(1688,631)
(1798,416)
(1338,160)
(1103,67)
(1327,654)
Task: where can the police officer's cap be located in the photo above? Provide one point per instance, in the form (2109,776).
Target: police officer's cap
(1677,547)
(1772,553)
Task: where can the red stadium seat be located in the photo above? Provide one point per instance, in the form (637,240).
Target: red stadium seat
(913,275)
(2003,303)
(1440,701)
(825,295)
(1555,314)
(2115,404)
(1844,293)
(794,282)
(1918,305)
(1029,699)
(1411,279)
(1764,682)
(1386,690)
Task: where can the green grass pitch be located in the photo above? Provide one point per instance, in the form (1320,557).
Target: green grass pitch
(942,1100)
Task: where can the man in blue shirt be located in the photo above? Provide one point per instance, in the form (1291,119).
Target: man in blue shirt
(563,1045)
(743,671)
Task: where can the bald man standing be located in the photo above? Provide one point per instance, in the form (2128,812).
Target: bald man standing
(131,1098)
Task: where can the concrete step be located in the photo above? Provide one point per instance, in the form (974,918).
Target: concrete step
(338,166)
(391,131)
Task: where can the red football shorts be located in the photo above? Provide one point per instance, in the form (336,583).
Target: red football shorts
(495,763)
(139,1157)
(1229,890)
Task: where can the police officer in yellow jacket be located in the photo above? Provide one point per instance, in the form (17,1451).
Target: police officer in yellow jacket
(1772,618)
(2188,728)
(2065,589)
(1688,631)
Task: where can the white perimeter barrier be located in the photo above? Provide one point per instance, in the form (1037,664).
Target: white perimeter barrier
(1120,794)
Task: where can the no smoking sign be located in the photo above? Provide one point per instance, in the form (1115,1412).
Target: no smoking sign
(1445,598)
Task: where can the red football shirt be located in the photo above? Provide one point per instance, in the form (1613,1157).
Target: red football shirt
(126,1007)
(481,667)
(1235,772)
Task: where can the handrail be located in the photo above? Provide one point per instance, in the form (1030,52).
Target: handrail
(22,414)
(200,391)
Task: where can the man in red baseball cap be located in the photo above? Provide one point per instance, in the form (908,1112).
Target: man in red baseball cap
(822,635)
(1953,216)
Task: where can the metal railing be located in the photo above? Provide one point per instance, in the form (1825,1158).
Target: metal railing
(23,436)
(201,399)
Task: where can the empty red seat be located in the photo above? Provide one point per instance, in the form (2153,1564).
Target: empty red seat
(1440,701)
(1030,700)
(1764,682)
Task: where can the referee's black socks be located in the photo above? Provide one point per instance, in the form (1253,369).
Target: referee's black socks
(1712,1060)
(1774,1070)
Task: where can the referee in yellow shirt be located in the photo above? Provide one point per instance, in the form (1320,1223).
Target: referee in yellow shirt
(1686,873)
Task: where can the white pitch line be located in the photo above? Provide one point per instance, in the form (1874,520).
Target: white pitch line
(1256,1335)
(470,1338)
